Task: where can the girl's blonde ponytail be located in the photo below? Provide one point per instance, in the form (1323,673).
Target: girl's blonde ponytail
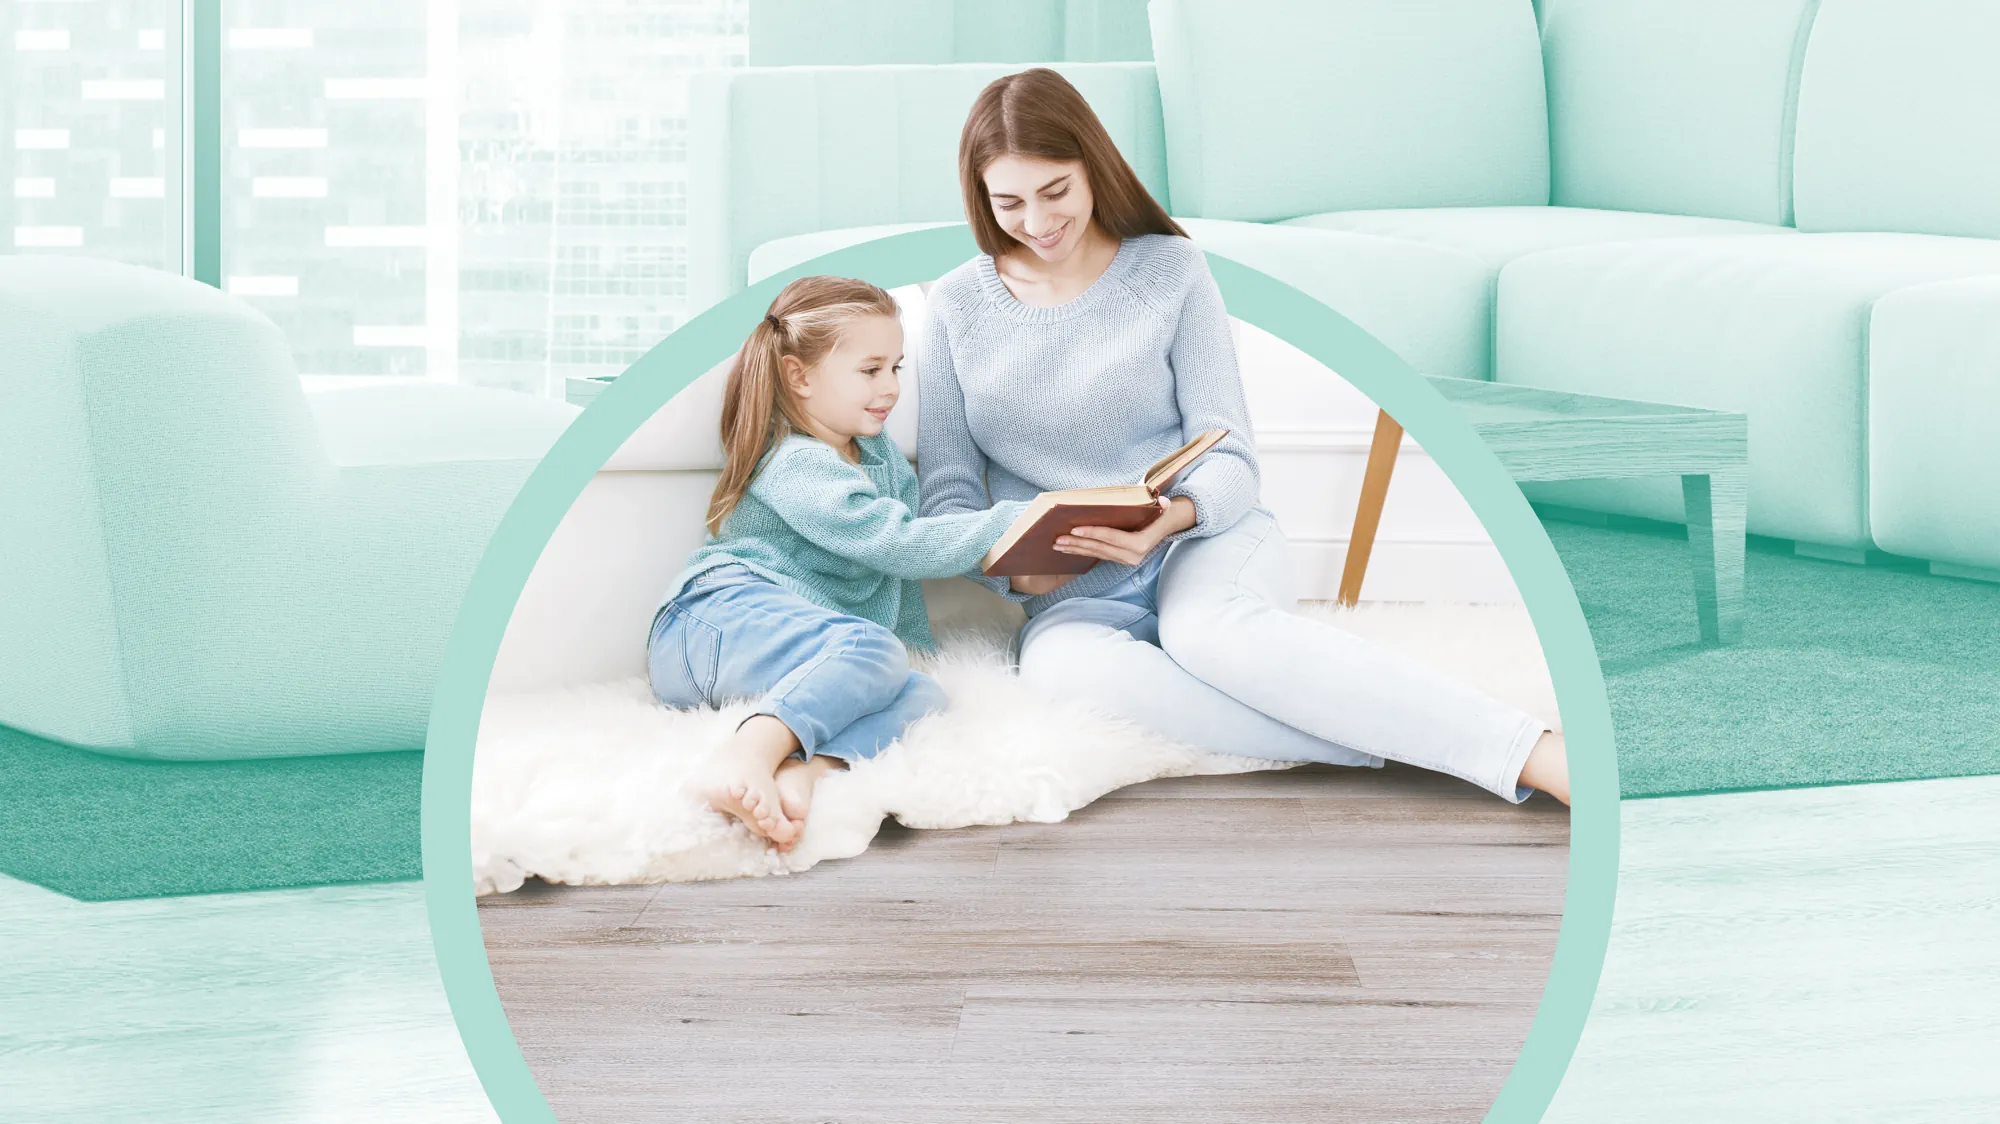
(758,406)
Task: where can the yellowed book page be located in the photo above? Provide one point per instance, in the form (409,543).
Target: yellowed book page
(1157,476)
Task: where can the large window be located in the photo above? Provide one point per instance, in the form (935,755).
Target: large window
(90,135)
(491,192)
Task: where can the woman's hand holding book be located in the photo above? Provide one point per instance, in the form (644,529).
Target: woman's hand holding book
(1109,544)
(1120,523)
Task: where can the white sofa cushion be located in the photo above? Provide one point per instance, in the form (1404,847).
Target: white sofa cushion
(1934,422)
(1498,235)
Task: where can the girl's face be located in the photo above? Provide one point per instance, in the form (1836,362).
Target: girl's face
(1043,204)
(849,393)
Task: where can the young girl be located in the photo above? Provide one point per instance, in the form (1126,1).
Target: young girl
(807,594)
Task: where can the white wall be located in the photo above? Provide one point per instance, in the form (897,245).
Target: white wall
(1313,432)
(584,613)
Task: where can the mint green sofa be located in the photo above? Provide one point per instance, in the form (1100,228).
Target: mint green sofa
(1934,424)
(201,561)
(1698,201)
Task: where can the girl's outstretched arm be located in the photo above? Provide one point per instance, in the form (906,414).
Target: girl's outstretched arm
(832,505)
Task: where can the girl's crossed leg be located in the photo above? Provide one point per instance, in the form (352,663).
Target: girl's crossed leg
(830,688)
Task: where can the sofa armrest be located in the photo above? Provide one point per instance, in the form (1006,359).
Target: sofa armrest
(775,152)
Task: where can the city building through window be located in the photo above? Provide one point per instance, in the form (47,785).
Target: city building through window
(489,192)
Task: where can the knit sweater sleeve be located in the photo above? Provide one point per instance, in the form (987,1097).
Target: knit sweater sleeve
(833,505)
(1209,389)
(913,619)
(951,467)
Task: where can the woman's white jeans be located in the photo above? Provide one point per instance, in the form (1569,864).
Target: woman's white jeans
(1201,646)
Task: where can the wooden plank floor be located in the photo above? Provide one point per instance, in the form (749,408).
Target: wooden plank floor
(1320,944)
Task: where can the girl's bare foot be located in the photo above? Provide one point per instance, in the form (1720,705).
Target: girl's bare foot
(741,781)
(1547,767)
(795,791)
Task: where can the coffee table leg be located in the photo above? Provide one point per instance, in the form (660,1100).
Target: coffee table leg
(1368,513)
(1717,507)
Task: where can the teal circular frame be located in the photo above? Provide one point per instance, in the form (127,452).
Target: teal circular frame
(923,255)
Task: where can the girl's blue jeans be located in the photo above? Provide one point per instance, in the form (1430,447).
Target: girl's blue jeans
(841,683)
(1201,645)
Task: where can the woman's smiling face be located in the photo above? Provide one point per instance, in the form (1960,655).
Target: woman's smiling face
(1043,204)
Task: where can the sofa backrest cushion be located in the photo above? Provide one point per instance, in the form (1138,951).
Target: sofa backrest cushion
(779,152)
(1899,118)
(869,32)
(1676,106)
(1106,31)
(1277,109)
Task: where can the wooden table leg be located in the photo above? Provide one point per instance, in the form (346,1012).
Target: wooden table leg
(1717,509)
(1368,513)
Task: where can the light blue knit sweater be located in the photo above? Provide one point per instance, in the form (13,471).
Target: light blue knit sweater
(1015,400)
(846,536)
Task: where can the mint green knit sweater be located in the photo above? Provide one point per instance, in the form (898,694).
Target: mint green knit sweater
(846,536)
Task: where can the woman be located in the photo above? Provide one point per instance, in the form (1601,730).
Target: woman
(1088,341)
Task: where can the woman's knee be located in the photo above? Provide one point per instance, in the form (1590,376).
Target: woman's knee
(1221,639)
(1199,618)
(1241,570)
(1073,658)
(1192,627)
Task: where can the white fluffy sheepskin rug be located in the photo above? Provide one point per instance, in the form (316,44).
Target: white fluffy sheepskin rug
(583,785)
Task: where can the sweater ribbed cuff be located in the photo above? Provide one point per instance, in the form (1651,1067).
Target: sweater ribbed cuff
(1203,523)
(1002,586)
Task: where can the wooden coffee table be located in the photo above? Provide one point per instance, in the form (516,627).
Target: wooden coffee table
(1552,435)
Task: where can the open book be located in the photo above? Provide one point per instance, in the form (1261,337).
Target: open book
(1029,546)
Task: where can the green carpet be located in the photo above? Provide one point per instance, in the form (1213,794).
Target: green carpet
(1846,673)
(98,827)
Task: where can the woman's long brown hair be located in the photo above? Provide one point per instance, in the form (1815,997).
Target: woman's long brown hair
(758,406)
(1037,113)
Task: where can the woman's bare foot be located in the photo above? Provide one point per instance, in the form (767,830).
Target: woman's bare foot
(1547,767)
(796,780)
(741,779)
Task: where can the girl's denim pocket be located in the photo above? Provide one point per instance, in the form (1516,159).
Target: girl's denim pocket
(683,658)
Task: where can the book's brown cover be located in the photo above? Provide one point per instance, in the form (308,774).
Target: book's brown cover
(1029,546)
(1033,550)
